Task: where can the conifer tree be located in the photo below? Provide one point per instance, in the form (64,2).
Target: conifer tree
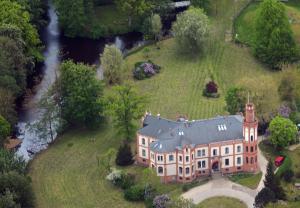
(274,41)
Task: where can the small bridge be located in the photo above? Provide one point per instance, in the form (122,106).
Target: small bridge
(180,4)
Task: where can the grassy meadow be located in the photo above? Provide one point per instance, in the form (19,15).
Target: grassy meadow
(67,174)
(247,179)
(221,202)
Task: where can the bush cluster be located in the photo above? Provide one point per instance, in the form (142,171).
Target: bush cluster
(135,193)
(143,70)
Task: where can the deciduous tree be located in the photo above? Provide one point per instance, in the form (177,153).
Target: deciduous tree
(191,29)
(112,63)
(235,100)
(282,132)
(133,8)
(4,130)
(156,26)
(80,94)
(125,106)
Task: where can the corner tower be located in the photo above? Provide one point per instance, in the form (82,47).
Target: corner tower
(250,125)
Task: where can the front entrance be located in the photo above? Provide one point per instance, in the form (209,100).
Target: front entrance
(215,166)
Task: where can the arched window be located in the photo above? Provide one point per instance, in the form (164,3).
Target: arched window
(180,170)
(251,138)
(187,170)
(251,149)
(160,170)
(143,141)
(247,160)
(246,148)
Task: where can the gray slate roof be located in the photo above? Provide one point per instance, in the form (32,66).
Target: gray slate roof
(172,135)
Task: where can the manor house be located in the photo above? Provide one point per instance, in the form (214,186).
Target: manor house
(183,150)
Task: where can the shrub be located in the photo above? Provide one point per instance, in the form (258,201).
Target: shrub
(265,196)
(288,175)
(150,193)
(145,70)
(114,175)
(161,201)
(125,181)
(211,90)
(135,193)
(124,155)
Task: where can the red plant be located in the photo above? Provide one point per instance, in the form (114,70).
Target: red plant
(211,87)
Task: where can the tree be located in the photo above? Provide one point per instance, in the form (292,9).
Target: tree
(12,66)
(14,14)
(263,197)
(156,26)
(7,106)
(50,121)
(112,63)
(80,94)
(191,29)
(133,8)
(125,106)
(107,159)
(19,185)
(124,155)
(235,100)
(4,130)
(272,182)
(11,162)
(7,200)
(274,42)
(204,4)
(74,15)
(282,132)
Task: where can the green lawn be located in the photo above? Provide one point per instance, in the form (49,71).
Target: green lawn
(245,23)
(67,175)
(221,202)
(247,179)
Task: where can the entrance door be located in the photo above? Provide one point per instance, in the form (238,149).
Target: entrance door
(215,166)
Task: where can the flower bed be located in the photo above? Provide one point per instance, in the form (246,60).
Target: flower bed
(143,70)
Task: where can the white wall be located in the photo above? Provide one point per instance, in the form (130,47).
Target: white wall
(171,169)
(246,134)
(206,164)
(174,157)
(141,152)
(236,146)
(230,162)
(201,148)
(160,162)
(230,147)
(212,150)
(241,156)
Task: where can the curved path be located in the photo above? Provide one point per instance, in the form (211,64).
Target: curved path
(221,186)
